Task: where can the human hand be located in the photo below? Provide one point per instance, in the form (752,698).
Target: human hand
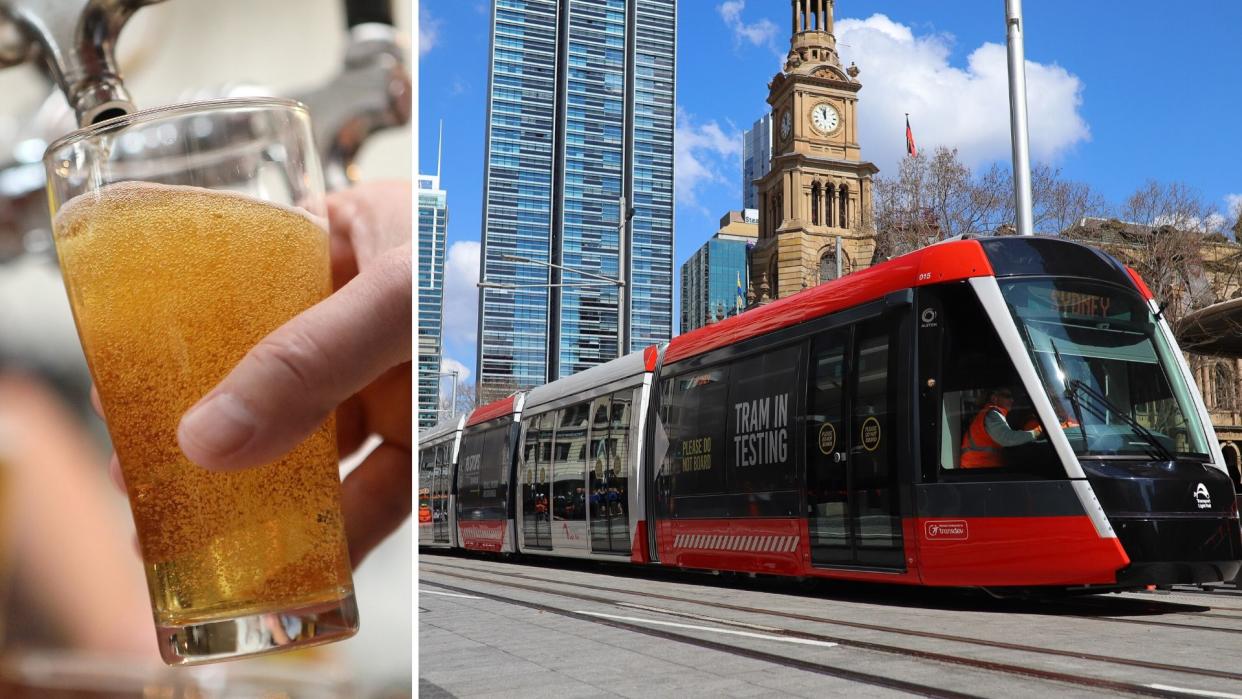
(350,353)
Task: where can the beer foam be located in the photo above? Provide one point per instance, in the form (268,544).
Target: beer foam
(137,192)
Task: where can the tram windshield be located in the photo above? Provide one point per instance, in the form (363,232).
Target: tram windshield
(1112,378)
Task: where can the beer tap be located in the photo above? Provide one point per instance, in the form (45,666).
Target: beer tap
(371,93)
(76,39)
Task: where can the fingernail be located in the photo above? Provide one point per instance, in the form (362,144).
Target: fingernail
(216,428)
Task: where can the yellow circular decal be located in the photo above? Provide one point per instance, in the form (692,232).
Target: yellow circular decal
(871,434)
(827,438)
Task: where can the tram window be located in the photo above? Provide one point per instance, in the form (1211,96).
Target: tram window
(617,496)
(545,425)
(693,412)
(426,462)
(963,358)
(468,473)
(761,411)
(603,453)
(438,485)
(569,470)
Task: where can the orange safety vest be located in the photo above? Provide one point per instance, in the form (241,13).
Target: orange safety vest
(979,450)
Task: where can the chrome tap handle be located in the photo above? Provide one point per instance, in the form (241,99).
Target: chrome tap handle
(77,39)
(371,93)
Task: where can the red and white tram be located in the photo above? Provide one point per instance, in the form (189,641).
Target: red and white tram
(823,435)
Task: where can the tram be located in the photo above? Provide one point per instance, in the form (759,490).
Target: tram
(836,433)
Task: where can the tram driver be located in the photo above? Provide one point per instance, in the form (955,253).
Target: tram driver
(989,433)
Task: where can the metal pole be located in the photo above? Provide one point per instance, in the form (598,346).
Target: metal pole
(1017,118)
(453,405)
(623,305)
(838,256)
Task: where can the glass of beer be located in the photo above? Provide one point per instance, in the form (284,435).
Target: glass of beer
(185,235)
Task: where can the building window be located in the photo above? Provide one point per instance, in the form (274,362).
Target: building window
(1224,390)
(827,266)
(829,190)
(815,194)
(844,204)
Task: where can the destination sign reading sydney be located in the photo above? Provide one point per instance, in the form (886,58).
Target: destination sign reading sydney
(762,435)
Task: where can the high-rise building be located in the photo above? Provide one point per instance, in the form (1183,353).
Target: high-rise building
(756,159)
(580,116)
(432,227)
(715,278)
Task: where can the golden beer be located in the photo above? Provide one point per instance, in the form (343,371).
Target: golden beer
(170,287)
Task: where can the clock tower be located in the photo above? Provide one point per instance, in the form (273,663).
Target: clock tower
(815,202)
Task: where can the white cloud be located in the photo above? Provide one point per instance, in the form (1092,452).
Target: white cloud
(428,31)
(1212,223)
(448,365)
(966,108)
(704,155)
(1233,205)
(760,33)
(461,292)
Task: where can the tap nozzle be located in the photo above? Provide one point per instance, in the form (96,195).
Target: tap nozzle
(77,41)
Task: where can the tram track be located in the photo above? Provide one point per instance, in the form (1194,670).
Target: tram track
(914,633)
(1004,668)
(1146,606)
(793,663)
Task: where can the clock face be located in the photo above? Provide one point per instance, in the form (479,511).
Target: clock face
(825,118)
(786,124)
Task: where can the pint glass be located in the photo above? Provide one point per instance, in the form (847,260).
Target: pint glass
(185,235)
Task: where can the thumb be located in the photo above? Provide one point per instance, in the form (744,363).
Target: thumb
(289,383)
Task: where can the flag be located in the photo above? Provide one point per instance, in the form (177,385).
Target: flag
(741,296)
(911,150)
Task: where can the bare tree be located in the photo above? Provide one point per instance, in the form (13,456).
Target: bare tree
(1059,203)
(494,391)
(1174,204)
(1171,237)
(938,197)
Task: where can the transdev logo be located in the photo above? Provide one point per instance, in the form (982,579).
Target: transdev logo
(947,530)
(1202,497)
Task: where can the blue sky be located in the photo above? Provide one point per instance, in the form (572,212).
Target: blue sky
(1120,92)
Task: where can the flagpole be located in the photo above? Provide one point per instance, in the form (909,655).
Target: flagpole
(1017,117)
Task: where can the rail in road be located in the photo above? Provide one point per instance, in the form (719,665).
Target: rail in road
(557,595)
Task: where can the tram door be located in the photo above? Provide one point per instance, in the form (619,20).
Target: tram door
(439,494)
(850,466)
(536,462)
(609,501)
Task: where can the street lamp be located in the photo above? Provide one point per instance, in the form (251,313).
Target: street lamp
(601,280)
(452,406)
(626,214)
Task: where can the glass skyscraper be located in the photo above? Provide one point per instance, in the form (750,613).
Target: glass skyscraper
(715,278)
(580,116)
(756,159)
(432,227)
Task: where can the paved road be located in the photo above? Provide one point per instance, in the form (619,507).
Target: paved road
(489,628)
